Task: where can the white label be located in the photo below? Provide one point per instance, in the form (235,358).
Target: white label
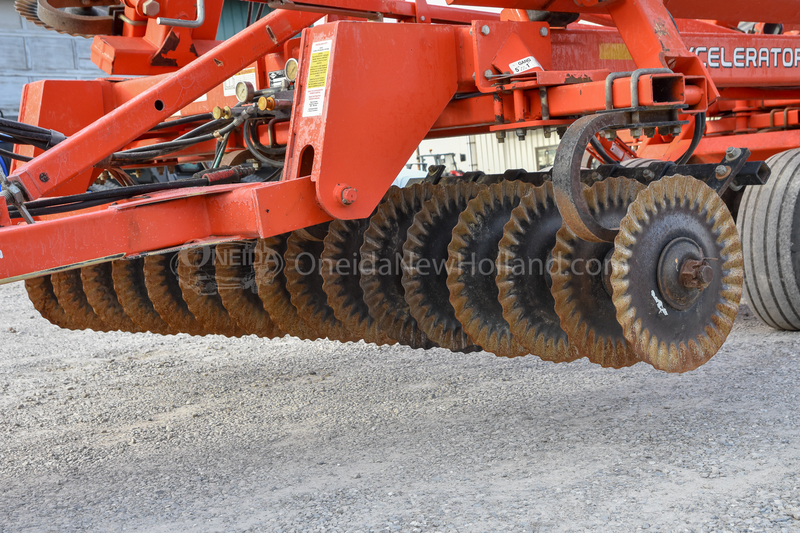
(229,85)
(317,79)
(524,64)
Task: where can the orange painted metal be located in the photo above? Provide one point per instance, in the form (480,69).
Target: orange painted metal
(136,226)
(171,94)
(348,86)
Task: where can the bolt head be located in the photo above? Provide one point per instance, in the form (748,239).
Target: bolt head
(648,174)
(488,74)
(151,8)
(43,177)
(732,153)
(485,30)
(721,171)
(543,32)
(349,195)
(422,18)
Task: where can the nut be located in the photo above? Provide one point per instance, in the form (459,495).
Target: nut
(543,32)
(696,274)
(484,30)
(151,8)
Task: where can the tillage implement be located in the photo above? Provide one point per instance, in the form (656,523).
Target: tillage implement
(245,186)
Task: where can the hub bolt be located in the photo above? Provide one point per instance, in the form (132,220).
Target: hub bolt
(346,194)
(696,274)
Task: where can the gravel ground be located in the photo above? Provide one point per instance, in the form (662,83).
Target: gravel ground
(138,432)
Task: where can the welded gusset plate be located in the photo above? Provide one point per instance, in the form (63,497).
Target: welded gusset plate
(236,285)
(40,293)
(382,264)
(670,339)
(304,283)
(98,285)
(164,291)
(128,276)
(269,266)
(472,269)
(581,291)
(425,260)
(523,276)
(342,280)
(68,288)
(198,281)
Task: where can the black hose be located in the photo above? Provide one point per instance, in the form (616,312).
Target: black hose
(697,135)
(249,13)
(258,155)
(13,155)
(115,194)
(181,121)
(601,151)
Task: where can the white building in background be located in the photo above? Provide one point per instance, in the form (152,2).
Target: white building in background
(483,152)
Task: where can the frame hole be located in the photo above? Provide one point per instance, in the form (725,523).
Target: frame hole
(159,105)
(306,161)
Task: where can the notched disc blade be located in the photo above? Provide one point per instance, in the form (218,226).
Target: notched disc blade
(236,285)
(128,277)
(163,288)
(40,293)
(580,280)
(472,268)
(269,265)
(670,209)
(425,260)
(342,280)
(304,283)
(523,277)
(99,288)
(197,278)
(382,264)
(68,288)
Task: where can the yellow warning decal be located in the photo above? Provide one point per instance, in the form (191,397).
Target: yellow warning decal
(614,51)
(318,68)
(314,99)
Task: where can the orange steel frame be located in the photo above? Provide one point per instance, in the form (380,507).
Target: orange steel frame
(440,72)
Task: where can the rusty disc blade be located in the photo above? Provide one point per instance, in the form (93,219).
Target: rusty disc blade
(40,293)
(236,284)
(382,264)
(581,288)
(472,268)
(341,280)
(99,288)
(128,277)
(68,288)
(163,288)
(523,277)
(672,326)
(269,266)
(304,283)
(197,278)
(425,261)
(79,20)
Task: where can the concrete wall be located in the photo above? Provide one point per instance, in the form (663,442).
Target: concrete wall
(30,53)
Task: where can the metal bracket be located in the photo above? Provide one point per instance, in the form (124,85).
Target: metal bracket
(201,18)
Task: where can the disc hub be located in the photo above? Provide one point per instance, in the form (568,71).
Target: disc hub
(683,273)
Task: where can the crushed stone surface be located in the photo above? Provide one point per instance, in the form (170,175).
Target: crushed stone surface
(141,432)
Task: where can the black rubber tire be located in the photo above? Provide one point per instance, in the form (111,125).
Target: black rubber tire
(769,224)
